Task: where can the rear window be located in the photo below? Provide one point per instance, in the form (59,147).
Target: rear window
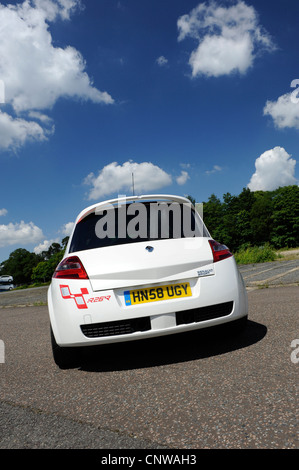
(136,222)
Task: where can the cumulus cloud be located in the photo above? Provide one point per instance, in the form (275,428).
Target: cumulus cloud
(115,178)
(3,212)
(14,132)
(228,38)
(40,117)
(183,178)
(20,233)
(60,8)
(284,111)
(66,229)
(34,72)
(214,170)
(45,245)
(185,165)
(162,61)
(274,168)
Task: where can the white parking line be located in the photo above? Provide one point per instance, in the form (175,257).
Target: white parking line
(276,277)
(261,272)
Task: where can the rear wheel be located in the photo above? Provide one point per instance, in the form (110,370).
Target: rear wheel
(64,358)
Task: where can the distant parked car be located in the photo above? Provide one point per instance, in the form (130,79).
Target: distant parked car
(6,282)
(141,267)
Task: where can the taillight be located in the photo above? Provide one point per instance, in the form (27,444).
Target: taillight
(70,268)
(219,251)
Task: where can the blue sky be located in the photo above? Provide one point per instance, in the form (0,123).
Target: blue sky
(192,97)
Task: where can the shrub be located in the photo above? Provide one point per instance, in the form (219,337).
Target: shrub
(255,254)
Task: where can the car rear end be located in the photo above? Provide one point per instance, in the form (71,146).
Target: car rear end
(116,289)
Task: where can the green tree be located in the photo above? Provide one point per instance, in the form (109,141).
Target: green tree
(52,250)
(261,217)
(64,242)
(19,265)
(213,217)
(285,217)
(243,230)
(43,272)
(236,220)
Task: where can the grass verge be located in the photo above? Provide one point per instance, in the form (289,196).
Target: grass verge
(256,254)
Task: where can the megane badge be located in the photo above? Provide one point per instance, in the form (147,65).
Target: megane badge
(149,248)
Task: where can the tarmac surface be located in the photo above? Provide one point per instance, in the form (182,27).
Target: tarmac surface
(201,390)
(275,273)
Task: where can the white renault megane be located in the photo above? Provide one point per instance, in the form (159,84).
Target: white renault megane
(140,267)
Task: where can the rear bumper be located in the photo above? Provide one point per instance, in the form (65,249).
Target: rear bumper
(81,317)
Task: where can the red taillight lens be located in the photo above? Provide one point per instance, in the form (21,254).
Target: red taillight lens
(219,251)
(70,268)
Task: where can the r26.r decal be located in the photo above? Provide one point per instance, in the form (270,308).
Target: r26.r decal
(99,299)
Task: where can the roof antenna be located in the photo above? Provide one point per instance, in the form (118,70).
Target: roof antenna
(133,184)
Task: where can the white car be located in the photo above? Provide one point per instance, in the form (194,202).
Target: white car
(141,267)
(6,282)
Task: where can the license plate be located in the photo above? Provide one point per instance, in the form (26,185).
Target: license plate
(154,294)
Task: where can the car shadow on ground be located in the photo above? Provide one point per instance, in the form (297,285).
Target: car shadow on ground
(170,349)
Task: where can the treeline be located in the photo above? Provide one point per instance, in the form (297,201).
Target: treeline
(255,218)
(251,219)
(31,268)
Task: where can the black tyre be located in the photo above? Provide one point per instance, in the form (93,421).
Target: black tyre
(64,358)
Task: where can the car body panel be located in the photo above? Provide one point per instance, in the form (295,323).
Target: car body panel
(100,302)
(132,264)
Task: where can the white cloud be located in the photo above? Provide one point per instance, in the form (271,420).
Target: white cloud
(214,170)
(228,38)
(3,212)
(284,111)
(185,165)
(66,229)
(274,168)
(20,233)
(162,61)
(14,132)
(40,117)
(115,178)
(183,178)
(35,73)
(45,245)
(62,8)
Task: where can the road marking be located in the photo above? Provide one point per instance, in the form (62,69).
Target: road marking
(261,272)
(276,277)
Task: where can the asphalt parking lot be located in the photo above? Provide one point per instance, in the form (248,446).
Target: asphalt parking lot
(276,273)
(202,390)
